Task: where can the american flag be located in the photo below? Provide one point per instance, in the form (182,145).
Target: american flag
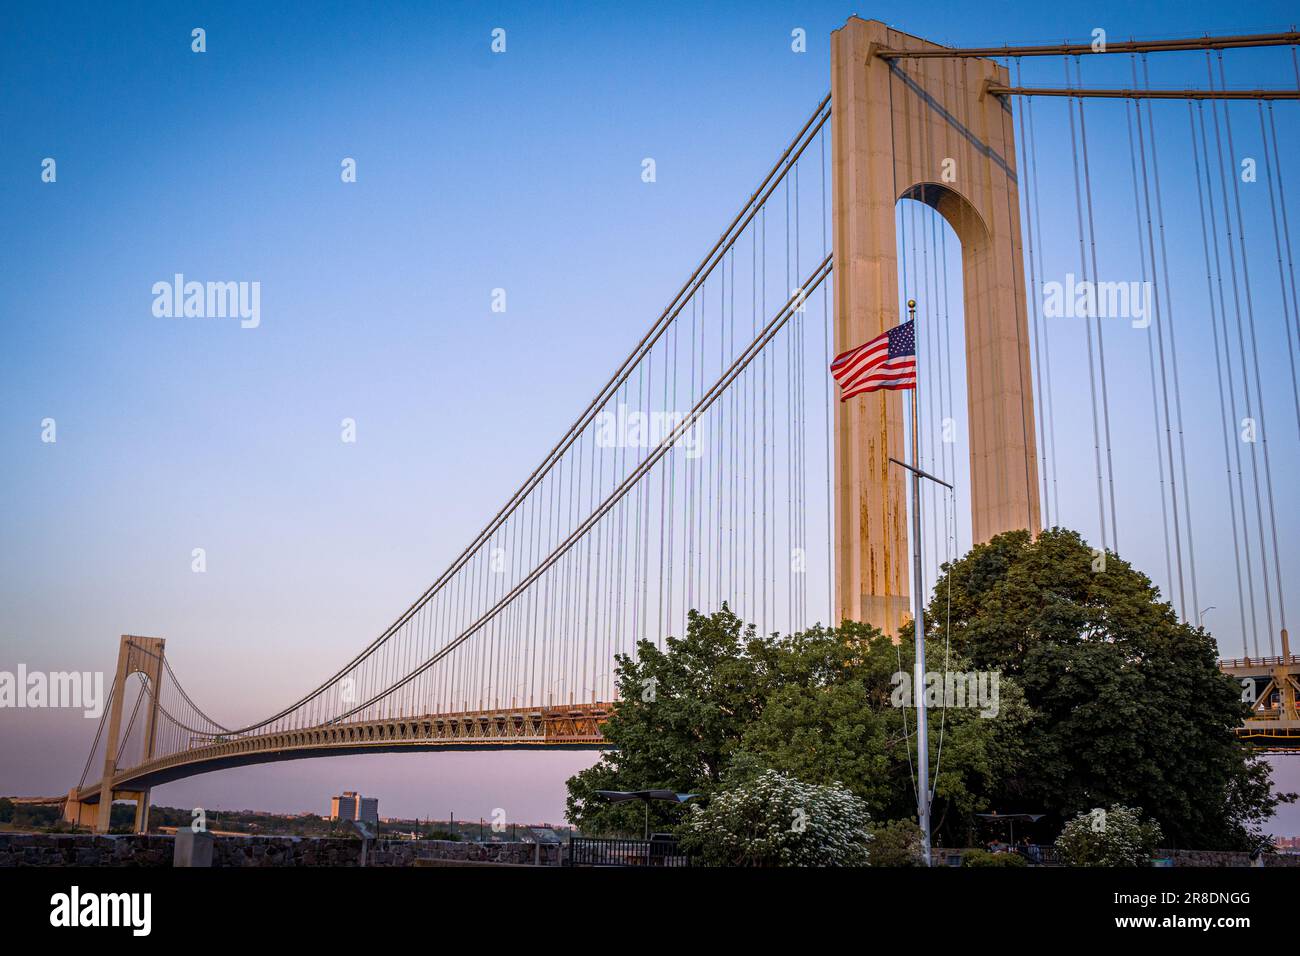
(886,362)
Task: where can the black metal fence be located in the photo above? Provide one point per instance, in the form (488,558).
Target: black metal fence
(1035,855)
(1040,855)
(664,851)
(659,851)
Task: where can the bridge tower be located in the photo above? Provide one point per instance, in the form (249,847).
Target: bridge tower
(924,129)
(143,655)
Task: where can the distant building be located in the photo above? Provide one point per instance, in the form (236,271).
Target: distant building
(368,810)
(344,807)
(352,806)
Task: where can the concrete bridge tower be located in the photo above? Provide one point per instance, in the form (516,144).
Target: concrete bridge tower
(143,655)
(924,129)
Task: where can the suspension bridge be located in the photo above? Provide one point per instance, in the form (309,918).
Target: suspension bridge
(715,465)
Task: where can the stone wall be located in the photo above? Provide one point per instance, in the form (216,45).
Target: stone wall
(1224,858)
(948,856)
(83,849)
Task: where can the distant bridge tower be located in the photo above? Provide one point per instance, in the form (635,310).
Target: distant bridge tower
(143,655)
(924,129)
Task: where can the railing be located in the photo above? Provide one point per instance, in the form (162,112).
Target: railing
(660,851)
(1040,855)
(1258,661)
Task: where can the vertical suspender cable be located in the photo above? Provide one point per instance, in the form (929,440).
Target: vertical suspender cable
(830,415)
(1101,348)
(1227,355)
(1168,313)
(1245,375)
(1050,410)
(1259,385)
(1158,321)
(1083,268)
(1022,387)
(1276,198)
(1035,314)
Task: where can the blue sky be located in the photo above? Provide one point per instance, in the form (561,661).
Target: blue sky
(475,171)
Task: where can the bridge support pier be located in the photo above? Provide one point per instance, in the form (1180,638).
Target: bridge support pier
(77,813)
(1282,679)
(142,813)
(141,808)
(89,814)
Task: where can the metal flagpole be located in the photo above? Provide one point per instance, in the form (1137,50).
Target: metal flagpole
(918,618)
(852,379)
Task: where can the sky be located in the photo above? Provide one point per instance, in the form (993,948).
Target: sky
(474,171)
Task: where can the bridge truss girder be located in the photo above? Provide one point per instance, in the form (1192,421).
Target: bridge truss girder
(571,727)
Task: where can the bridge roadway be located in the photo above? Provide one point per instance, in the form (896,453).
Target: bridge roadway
(1270,685)
(575,727)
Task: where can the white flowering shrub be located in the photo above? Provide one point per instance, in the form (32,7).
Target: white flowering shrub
(1114,837)
(775,820)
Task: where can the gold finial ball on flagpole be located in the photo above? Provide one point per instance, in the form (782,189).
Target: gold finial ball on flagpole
(911,304)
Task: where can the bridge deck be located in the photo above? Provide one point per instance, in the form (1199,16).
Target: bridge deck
(572,727)
(1270,685)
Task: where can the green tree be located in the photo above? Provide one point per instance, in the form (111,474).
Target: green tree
(6,810)
(679,721)
(1118,836)
(775,820)
(820,706)
(985,858)
(896,843)
(1105,698)
(832,715)
(1129,706)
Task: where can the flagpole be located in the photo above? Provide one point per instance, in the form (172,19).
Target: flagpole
(858,371)
(918,618)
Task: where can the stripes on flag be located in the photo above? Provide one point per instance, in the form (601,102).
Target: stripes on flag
(885,363)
